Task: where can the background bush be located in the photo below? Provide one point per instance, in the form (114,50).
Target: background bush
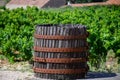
(17,28)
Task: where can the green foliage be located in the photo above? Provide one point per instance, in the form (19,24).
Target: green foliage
(17,28)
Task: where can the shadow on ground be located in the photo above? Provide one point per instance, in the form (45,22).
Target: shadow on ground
(92,75)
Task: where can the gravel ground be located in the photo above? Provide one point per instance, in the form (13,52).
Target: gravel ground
(15,75)
(18,75)
(23,71)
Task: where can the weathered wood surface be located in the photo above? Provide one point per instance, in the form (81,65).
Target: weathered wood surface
(65,30)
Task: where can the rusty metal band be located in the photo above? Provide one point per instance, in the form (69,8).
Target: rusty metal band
(45,49)
(60,71)
(59,60)
(59,37)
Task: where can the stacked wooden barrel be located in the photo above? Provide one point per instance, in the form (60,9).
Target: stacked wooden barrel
(60,51)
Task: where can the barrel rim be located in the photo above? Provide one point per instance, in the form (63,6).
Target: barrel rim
(47,25)
(62,25)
